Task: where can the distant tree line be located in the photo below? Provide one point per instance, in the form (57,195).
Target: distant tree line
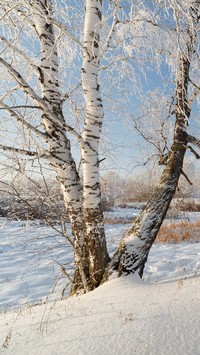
(29,199)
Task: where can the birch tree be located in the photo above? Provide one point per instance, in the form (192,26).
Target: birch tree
(42,93)
(42,54)
(133,251)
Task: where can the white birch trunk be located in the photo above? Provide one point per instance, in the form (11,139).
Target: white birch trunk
(91,135)
(59,145)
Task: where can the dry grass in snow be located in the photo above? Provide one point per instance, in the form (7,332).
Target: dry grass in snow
(179,232)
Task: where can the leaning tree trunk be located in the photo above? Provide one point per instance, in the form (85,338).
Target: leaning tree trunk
(133,251)
(93,215)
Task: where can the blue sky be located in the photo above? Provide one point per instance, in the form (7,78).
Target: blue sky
(128,149)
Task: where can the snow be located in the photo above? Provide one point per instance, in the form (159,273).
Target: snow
(159,315)
(31,256)
(124,214)
(123,316)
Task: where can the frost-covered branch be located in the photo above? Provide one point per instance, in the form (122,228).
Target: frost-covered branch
(22,82)
(194,95)
(75,134)
(20,119)
(146,138)
(19,52)
(20,106)
(68,94)
(15,88)
(193,98)
(29,153)
(63,27)
(28,90)
(112,29)
(26,18)
(7,11)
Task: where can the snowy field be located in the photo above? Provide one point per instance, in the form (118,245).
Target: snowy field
(31,256)
(159,315)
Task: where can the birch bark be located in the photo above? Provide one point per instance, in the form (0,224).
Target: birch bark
(91,134)
(58,143)
(82,199)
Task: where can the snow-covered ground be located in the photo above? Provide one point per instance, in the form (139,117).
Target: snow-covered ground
(31,256)
(125,214)
(159,315)
(124,316)
(30,263)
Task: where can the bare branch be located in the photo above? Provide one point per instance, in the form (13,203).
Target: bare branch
(18,151)
(194,152)
(112,29)
(186,177)
(67,95)
(22,122)
(9,92)
(29,153)
(19,52)
(145,137)
(22,82)
(64,29)
(194,140)
(20,106)
(75,134)
(66,273)
(195,85)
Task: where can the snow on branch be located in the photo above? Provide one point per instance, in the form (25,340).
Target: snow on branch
(29,153)
(195,93)
(22,82)
(74,133)
(29,91)
(24,16)
(112,29)
(31,128)
(64,29)
(192,98)
(19,52)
